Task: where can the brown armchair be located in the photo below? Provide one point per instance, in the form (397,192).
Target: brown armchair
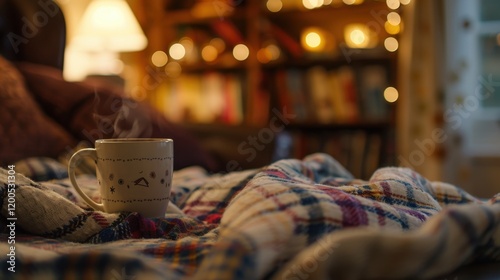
(33,31)
(57,113)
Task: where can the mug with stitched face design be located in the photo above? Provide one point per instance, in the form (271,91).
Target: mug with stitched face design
(134,174)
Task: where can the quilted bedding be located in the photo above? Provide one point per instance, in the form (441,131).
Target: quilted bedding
(294,219)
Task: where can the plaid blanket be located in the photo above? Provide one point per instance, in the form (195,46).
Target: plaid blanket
(294,219)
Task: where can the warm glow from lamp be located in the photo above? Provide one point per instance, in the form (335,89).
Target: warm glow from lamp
(109,25)
(358,36)
(404,2)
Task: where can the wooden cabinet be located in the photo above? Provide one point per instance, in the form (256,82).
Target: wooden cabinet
(330,93)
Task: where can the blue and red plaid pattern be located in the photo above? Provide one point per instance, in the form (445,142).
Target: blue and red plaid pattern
(294,219)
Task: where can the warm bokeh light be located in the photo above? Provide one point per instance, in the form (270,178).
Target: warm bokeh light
(404,2)
(316,39)
(177,51)
(159,58)
(219,44)
(391,44)
(274,5)
(393,4)
(353,2)
(313,39)
(173,69)
(241,52)
(392,29)
(209,53)
(274,51)
(312,4)
(269,53)
(187,43)
(394,18)
(391,94)
(191,53)
(357,36)
(263,56)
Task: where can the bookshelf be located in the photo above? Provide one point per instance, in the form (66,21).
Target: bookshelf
(334,97)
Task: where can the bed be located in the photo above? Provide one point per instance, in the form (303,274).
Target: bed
(303,218)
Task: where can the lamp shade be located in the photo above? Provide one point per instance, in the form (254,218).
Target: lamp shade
(109,25)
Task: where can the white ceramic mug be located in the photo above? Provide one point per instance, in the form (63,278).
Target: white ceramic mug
(134,174)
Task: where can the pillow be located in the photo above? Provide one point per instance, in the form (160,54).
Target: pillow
(93,112)
(25,131)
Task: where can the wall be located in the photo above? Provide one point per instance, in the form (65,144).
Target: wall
(476,173)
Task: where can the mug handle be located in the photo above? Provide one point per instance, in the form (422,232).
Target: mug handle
(76,160)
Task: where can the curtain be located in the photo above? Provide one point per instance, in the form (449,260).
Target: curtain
(420,130)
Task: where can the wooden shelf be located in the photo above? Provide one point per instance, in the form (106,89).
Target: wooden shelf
(331,11)
(361,125)
(188,17)
(263,85)
(215,67)
(358,56)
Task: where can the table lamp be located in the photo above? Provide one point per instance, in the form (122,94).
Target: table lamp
(107,28)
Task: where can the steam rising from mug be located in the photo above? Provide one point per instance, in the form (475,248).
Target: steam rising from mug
(126,120)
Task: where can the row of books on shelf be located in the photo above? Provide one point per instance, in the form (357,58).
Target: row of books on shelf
(202,98)
(340,95)
(311,95)
(358,151)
